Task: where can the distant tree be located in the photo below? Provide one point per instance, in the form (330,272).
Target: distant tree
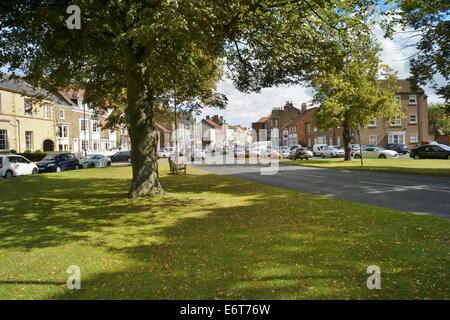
(350,95)
(438,120)
(431,19)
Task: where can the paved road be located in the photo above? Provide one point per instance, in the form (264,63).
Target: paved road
(426,195)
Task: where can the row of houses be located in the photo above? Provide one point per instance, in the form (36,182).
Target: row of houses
(297,126)
(36,120)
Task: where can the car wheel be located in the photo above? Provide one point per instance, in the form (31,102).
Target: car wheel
(34,171)
(357,156)
(58,169)
(9,174)
(129,160)
(382,156)
(91,165)
(417,157)
(323,155)
(108,164)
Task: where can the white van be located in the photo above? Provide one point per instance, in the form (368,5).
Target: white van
(317,149)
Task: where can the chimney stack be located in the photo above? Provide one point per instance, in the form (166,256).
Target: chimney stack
(207,117)
(304,106)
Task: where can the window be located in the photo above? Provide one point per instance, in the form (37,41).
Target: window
(84,145)
(28,107)
(62,131)
(3,139)
(95,126)
(413,99)
(373,140)
(46,111)
(95,145)
(373,123)
(396,121)
(396,137)
(308,127)
(62,114)
(29,140)
(338,140)
(83,124)
(413,138)
(413,118)
(398,99)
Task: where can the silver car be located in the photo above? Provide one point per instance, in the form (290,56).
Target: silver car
(95,161)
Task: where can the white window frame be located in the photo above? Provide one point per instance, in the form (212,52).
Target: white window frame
(62,114)
(46,110)
(86,125)
(399,99)
(415,118)
(86,143)
(373,139)
(25,102)
(95,126)
(28,140)
(412,99)
(397,121)
(392,135)
(415,140)
(373,123)
(3,139)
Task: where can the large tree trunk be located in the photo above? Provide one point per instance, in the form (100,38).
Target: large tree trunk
(142,131)
(346,137)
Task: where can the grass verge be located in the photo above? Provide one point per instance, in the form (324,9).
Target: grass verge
(429,166)
(209,237)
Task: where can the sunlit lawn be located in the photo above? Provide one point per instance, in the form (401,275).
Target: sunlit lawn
(428,166)
(209,237)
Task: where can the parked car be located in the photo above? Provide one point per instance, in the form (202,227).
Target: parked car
(317,149)
(272,153)
(95,161)
(376,152)
(354,148)
(431,151)
(332,152)
(15,165)
(197,154)
(399,147)
(121,156)
(58,162)
(166,152)
(300,153)
(294,146)
(285,152)
(258,151)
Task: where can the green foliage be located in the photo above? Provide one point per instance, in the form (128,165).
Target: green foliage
(431,20)
(438,120)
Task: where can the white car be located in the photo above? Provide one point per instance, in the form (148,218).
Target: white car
(285,152)
(317,149)
(95,161)
(197,154)
(166,152)
(331,152)
(15,165)
(376,152)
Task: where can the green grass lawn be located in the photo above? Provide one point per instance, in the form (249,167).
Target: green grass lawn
(209,237)
(429,166)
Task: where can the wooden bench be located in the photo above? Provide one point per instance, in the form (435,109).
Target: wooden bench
(176,167)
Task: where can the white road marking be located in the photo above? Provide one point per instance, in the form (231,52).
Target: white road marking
(406,187)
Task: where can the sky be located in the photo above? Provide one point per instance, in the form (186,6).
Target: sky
(244,108)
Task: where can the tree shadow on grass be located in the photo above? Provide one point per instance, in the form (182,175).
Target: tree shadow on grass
(220,238)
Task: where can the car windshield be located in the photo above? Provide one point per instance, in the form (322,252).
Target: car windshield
(379,148)
(443,146)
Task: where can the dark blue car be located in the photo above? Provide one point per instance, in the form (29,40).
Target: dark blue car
(58,163)
(400,148)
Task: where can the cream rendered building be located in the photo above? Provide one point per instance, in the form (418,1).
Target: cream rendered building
(26,117)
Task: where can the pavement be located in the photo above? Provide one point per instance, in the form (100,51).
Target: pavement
(418,194)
